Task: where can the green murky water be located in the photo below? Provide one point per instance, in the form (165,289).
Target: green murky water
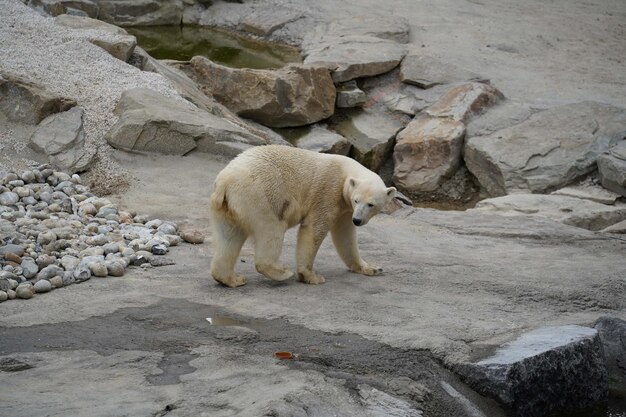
(228,48)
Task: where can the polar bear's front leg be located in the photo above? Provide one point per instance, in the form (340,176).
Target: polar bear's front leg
(268,244)
(344,239)
(310,237)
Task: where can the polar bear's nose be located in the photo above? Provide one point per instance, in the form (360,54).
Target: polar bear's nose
(357,222)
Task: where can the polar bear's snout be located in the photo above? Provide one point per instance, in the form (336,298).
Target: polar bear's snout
(357,221)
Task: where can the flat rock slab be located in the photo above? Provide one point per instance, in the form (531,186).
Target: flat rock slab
(427,152)
(543,371)
(569,210)
(294,95)
(351,57)
(589,192)
(141,12)
(464,101)
(549,150)
(149,121)
(426,71)
(384,27)
(264,21)
(320,139)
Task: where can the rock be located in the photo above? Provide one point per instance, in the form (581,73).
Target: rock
(616,228)
(4,284)
(49,272)
(569,210)
(294,95)
(154,223)
(192,236)
(505,114)
(141,12)
(544,371)
(46,238)
(82,273)
(98,269)
(117,41)
(612,168)
(9,198)
(13,258)
(354,56)
(45,260)
(11,294)
(161,261)
(349,95)
(26,102)
(115,268)
(167,228)
(68,278)
(43,286)
(62,138)
(11,248)
(612,332)
(427,152)
(320,139)
(379,403)
(372,136)
(56,281)
(149,121)
(3,296)
(25,291)
(427,71)
(111,248)
(159,249)
(588,192)
(29,268)
(266,20)
(383,27)
(462,102)
(60,7)
(549,150)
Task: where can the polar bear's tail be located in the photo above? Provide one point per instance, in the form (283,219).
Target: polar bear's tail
(218,197)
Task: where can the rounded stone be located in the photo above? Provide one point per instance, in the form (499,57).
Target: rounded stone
(159,249)
(56,281)
(25,291)
(154,224)
(87,209)
(111,248)
(8,198)
(45,260)
(192,236)
(28,176)
(82,273)
(46,238)
(13,258)
(43,286)
(98,269)
(29,267)
(3,296)
(11,294)
(115,268)
(167,229)
(49,272)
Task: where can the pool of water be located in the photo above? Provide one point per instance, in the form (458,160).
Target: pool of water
(225,47)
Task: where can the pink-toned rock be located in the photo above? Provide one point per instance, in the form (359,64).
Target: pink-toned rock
(462,102)
(427,152)
(192,236)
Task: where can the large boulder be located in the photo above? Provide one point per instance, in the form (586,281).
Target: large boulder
(426,71)
(372,135)
(547,370)
(62,138)
(569,210)
(320,139)
(464,101)
(141,12)
(547,151)
(149,121)
(26,102)
(427,152)
(355,56)
(266,20)
(60,7)
(294,95)
(612,168)
(111,38)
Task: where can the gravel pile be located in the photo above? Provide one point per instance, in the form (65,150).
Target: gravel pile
(55,232)
(66,63)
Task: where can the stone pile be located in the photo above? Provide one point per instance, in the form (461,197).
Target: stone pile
(54,232)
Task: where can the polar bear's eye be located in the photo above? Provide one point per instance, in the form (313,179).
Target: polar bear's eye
(370,205)
(356,201)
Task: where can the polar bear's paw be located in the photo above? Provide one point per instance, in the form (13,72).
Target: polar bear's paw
(274,272)
(368,269)
(232,282)
(310,277)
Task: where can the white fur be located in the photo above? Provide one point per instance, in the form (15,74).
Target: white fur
(269,189)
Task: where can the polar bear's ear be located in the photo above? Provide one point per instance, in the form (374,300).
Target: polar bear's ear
(391,192)
(352,182)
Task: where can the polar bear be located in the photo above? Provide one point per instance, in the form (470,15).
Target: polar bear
(268,189)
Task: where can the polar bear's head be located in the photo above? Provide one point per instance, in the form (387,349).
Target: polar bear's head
(367,198)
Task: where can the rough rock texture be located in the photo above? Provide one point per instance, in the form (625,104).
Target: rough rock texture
(60,7)
(264,21)
(505,114)
(549,150)
(612,168)
(141,12)
(464,101)
(588,191)
(426,71)
(543,371)
(320,139)
(121,45)
(612,331)
(151,122)
(27,102)
(294,95)
(569,210)
(353,56)
(349,95)
(427,152)
(619,228)
(61,136)
(372,136)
